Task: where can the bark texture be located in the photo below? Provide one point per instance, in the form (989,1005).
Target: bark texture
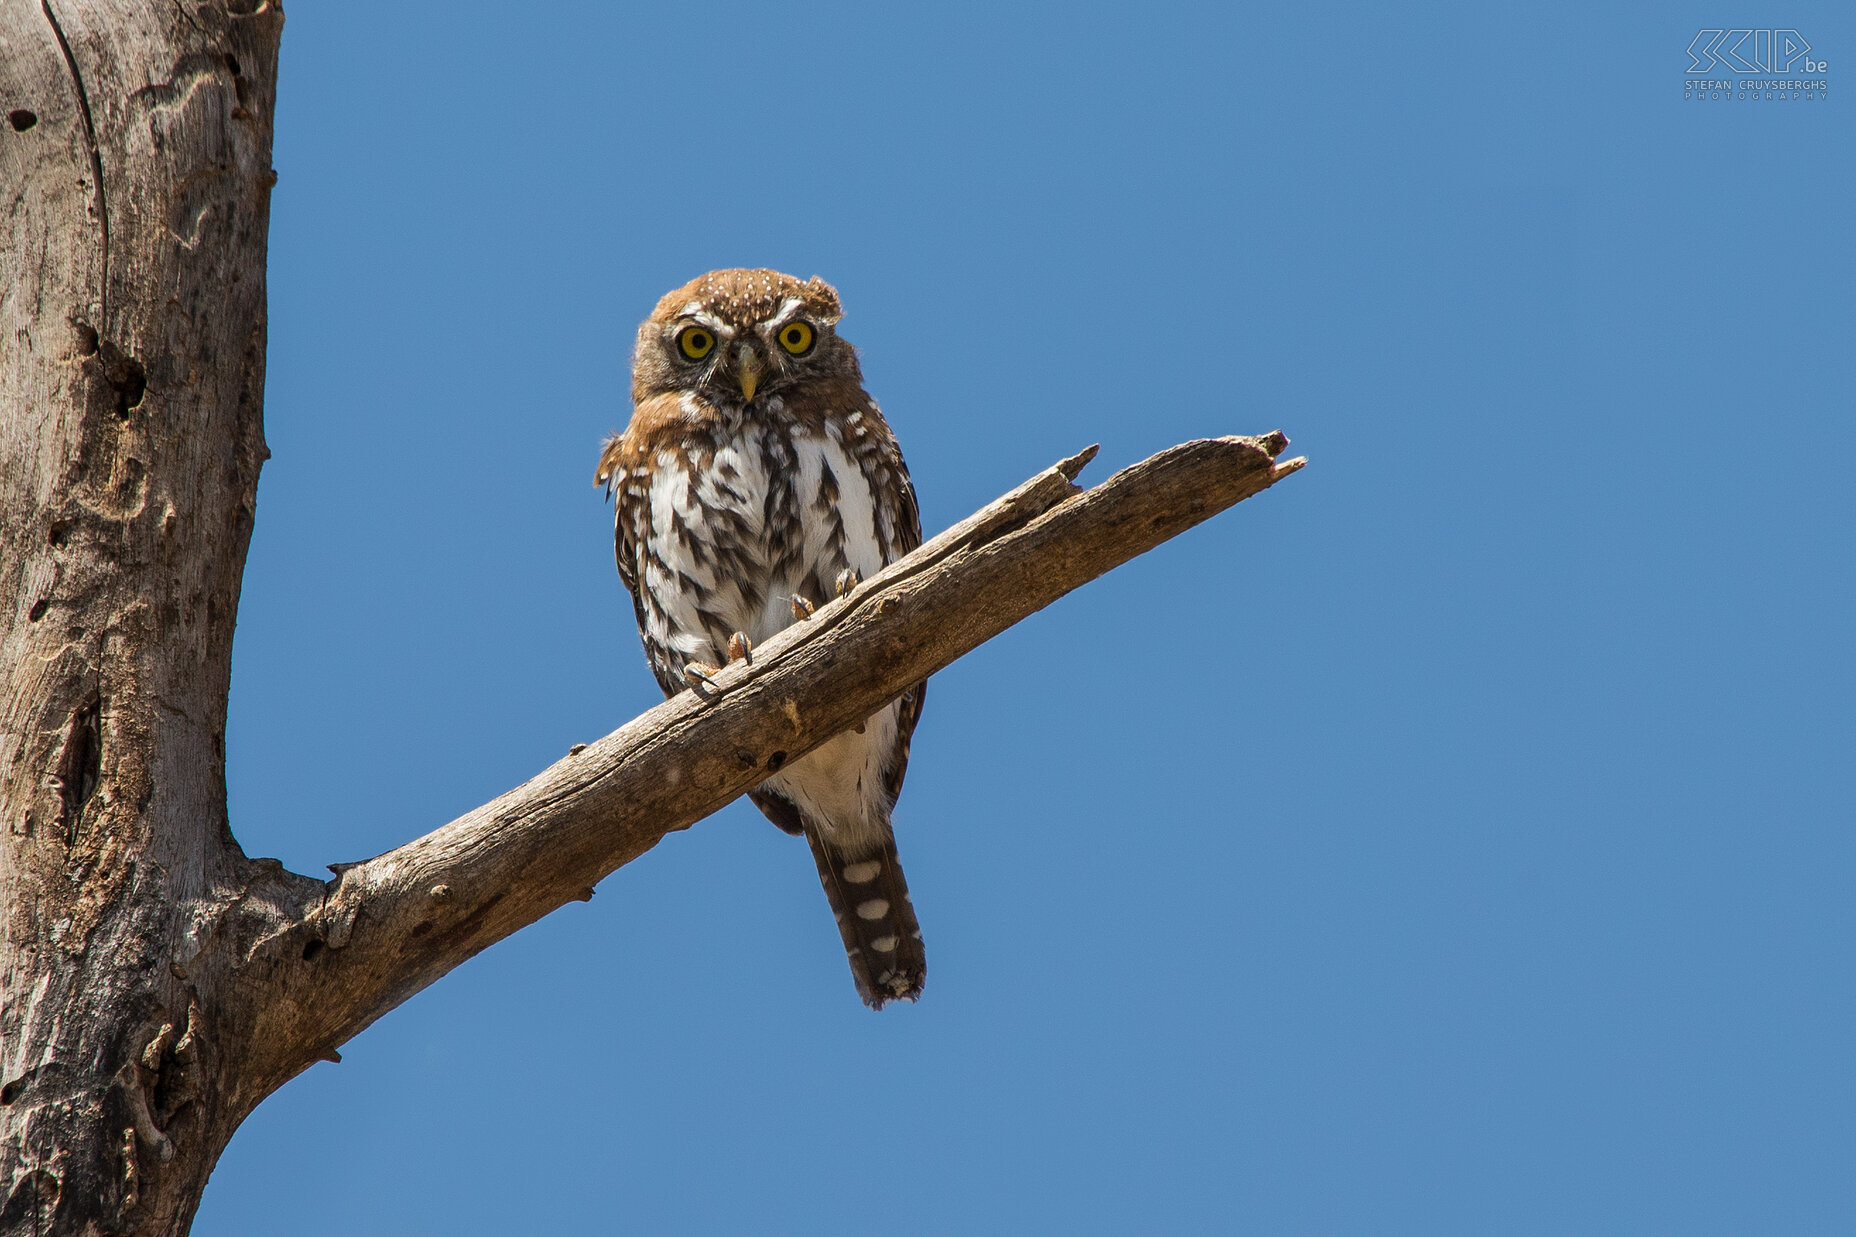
(135,145)
(155,983)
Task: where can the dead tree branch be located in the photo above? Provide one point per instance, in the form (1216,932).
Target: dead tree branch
(394,924)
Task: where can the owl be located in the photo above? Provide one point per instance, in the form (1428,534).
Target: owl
(755,481)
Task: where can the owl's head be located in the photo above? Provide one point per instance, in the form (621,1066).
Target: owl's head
(735,336)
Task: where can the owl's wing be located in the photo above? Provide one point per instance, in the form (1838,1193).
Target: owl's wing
(908,531)
(780,810)
(908,537)
(611,474)
(631,527)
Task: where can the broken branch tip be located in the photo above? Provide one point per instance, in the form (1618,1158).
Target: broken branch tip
(1076,463)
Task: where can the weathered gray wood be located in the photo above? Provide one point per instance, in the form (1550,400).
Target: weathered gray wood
(395,923)
(134,183)
(155,983)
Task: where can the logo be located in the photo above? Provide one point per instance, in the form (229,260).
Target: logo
(1778,66)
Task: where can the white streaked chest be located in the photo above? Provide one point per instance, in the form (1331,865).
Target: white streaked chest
(734,533)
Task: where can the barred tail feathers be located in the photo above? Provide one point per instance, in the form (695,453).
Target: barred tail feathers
(882,939)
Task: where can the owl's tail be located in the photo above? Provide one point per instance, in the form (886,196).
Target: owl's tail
(876,920)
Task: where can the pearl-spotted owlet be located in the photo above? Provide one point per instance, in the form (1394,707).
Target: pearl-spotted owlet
(756,481)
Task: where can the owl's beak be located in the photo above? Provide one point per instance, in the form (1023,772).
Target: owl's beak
(747,369)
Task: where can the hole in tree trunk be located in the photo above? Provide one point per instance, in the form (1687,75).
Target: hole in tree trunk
(34,1197)
(125,374)
(81,765)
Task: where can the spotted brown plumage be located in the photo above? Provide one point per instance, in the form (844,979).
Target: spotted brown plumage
(755,471)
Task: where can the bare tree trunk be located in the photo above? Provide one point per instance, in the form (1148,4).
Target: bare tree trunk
(135,149)
(155,983)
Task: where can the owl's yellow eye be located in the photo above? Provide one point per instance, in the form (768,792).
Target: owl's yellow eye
(796,338)
(695,342)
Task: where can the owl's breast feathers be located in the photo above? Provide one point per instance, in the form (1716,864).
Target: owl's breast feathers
(795,481)
(724,513)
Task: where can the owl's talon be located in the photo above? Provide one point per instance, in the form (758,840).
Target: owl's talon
(802,609)
(847,580)
(701,672)
(740,648)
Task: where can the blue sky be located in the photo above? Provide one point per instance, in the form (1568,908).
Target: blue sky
(1455,839)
